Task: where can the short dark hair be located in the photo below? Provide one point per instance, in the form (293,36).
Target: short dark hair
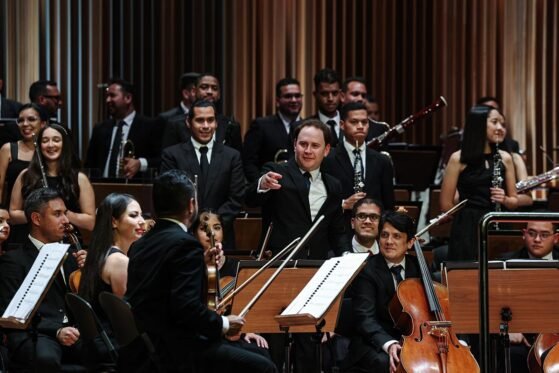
(353,79)
(316,123)
(351,106)
(204,74)
(205,211)
(39,88)
(283,82)
(172,191)
(189,80)
(366,201)
(125,85)
(200,103)
(37,199)
(326,75)
(39,109)
(402,222)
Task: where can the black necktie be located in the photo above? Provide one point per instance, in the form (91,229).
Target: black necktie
(204,167)
(332,124)
(113,159)
(397,272)
(308,178)
(358,162)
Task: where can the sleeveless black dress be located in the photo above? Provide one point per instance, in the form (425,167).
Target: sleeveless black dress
(474,184)
(15,167)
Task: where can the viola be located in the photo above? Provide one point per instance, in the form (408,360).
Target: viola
(420,310)
(213,294)
(76,276)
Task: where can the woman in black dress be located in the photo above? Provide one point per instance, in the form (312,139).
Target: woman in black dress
(58,173)
(470,172)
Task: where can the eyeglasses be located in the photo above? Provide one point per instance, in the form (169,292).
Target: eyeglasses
(28,120)
(363,217)
(289,96)
(55,98)
(534,234)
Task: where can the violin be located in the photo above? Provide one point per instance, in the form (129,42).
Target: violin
(213,294)
(76,276)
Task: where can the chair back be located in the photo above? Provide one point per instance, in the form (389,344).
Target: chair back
(120,316)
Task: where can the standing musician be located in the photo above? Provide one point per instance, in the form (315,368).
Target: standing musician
(363,172)
(57,338)
(375,346)
(472,172)
(166,278)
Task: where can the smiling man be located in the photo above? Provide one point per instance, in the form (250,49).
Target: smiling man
(365,218)
(219,170)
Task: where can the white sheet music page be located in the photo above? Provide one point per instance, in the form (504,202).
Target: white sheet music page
(327,283)
(49,258)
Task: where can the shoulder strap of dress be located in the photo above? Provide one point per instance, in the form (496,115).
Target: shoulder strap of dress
(13,150)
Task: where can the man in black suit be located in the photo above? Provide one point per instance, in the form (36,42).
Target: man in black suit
(268,138)
(365,173)
(45,93)
(295,193)
(365,217)
(221,182)
(375,344)
(46,213)
(327,95)
(178,114)
(166,288)
(9,131)
(354,89)
(228,130)
(105,153)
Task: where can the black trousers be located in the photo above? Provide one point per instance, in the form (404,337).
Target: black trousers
(226,357)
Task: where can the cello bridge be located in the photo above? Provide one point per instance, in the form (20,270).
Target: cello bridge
(438,328)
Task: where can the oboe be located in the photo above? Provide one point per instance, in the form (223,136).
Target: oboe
(40,160)
(358,183)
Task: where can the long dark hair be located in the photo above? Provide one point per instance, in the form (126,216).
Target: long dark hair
(32,179)
(475,135)
(102,239)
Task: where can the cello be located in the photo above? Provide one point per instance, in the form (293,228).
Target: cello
(420,309)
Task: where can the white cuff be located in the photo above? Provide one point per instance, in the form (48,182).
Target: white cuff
(260,190)
(388,344)
(225,326)
(143,164)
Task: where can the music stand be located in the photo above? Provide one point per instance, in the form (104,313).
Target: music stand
(415,164)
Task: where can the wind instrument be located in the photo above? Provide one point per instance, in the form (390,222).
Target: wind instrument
(40,160)
(127,150)
(525,185)
(358,183)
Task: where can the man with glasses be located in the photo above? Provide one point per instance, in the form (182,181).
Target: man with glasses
(269,138)
(366,214)
(45,93)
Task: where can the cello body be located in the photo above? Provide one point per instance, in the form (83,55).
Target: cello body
(429,345)
(544,342)
(551,361)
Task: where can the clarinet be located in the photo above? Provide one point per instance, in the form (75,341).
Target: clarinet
(497,181)
(40,160)
(358,183)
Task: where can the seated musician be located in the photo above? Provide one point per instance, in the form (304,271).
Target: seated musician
(4,227)
(375,345)
(57,339)
(166,278)
(540,238)
(227,267)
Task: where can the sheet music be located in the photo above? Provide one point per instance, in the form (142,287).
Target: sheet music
(47,262)
(325,285)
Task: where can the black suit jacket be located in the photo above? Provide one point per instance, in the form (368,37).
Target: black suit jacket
(264,138)
(145,133)
(378,174)
(288,208)
(523,254)
(166,288)
(225,187)
(372,290)
(14,266)
(228,132)
(172,113)
(9,131)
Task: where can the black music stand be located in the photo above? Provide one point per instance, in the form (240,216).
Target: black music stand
(415,164)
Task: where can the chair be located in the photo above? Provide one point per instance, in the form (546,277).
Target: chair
(132,344)
(91,330)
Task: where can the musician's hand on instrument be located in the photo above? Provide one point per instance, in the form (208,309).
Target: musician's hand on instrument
(67,336)
(349,202)
(270,180)
(213,254)
(131,167)
(235,324)
(394,354)
(498,195)
(518,338)
(80,257)
(255,338)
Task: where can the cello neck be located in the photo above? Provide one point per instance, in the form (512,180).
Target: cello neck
(434,305)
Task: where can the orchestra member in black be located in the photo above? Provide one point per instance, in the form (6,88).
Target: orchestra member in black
(166,282)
